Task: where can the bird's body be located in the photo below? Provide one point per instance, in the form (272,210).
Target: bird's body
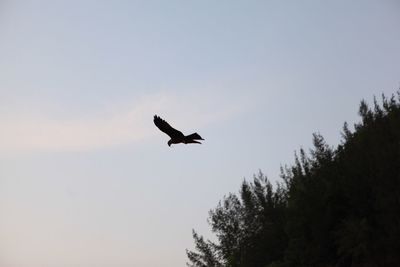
(175,135)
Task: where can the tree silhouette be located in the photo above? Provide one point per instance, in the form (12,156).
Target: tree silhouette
(336,207)
(246,226)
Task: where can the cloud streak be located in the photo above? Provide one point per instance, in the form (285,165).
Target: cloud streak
(120,125)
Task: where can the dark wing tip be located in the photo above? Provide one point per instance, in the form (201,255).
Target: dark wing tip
(157,119)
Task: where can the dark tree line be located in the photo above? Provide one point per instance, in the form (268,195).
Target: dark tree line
(335,207)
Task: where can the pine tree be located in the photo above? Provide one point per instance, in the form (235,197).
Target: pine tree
(335,207)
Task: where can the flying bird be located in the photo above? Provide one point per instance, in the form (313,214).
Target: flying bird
(175,135)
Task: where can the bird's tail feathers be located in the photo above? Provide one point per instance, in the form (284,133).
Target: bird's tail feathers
(194,136)
(192,142)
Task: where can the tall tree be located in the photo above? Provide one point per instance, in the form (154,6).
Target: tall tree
(247,226)
(335,207)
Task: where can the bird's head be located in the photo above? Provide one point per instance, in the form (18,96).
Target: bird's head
(169,143)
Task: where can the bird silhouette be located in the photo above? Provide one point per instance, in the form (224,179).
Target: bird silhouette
(175,135)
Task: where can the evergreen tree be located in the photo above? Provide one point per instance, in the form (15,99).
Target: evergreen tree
(249,228)
(336,207)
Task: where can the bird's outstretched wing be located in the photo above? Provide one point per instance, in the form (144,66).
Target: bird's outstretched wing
(166,128)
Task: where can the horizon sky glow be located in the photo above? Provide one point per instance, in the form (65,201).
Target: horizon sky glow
(87,180)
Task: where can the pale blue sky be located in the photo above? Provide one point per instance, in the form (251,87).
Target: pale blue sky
(85,177)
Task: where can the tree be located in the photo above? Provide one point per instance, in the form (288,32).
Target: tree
(246,226)
(336,207)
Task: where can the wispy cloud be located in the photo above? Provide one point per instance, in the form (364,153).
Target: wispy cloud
(119,125)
